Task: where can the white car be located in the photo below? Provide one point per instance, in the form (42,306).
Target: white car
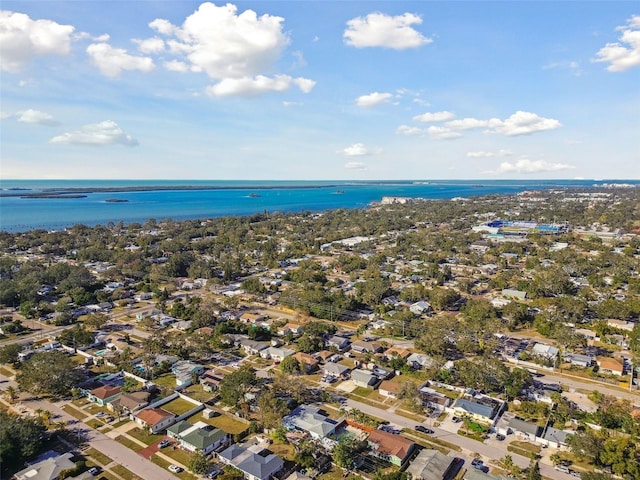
(174,468)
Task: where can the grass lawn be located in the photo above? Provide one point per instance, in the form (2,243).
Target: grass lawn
(164,464)
(80,402)
(362,392)
(525,449)
(178,406)
(125,473)
(93,409)
(197,393)
(284,450)
(168,380)
(95,423)
(107,476)
(74,412)
(130,444)
(144,436)
(121,422)
(226,423)
(98,456)
(179,455)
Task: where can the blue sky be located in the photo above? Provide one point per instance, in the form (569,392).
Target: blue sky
(320,90)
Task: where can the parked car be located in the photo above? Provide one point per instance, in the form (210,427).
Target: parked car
(94,471)
(164,443)
(174,468)
(455,419)
(422,429)
(214,473)
(477,464)
(500,437)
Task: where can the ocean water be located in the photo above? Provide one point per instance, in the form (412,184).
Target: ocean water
(228,198)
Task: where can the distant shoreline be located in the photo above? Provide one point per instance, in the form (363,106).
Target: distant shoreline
(60,192)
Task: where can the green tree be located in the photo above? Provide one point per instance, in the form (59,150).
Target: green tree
(272,409)
(291,366)
(9,353)
(346,451)
(234,386)
(50,373)
(533,472)
(198,463)
(20,439)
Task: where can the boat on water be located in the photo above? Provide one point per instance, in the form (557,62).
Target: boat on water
(254,195)
(339,192)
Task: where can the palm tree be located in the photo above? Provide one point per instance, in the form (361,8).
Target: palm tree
(11,393)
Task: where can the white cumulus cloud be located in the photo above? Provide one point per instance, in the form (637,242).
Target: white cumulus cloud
(523,123)
(625,53)
(355,166)
(150,45)
(225,44)
(96,134)
(36,117)
(481,154)
(22,39)
(442,133)
(358,150)
(112,61)
(380,30)
(409,130)
(431,117)
(375,98)
(520,123)
(528,166)
(260,84)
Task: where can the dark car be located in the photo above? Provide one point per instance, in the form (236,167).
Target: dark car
(500,437)
(421,429)
(456,419)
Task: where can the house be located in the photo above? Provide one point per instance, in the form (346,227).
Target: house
(364,378)
(336,370)
(155,419)
(524,430)
(390,447)
(418,361)
(253,347)
(277,354)
(610,365)
(420,307)
(130,402)
(545,351)
(337,342)
(515,294)
(482,409)
(290,328)
(361,346)
(389,389)
(309,362)
(556,438)
(312,420)
(327,356)
(434,399)
(104,394)
(252,317)
(253,461)
(210,381)
(579,360)
(396,352)
(47,469)
(185,371)
(430,465)
(198,437)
